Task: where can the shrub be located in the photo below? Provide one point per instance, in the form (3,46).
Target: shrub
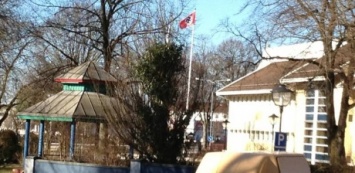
(9,146)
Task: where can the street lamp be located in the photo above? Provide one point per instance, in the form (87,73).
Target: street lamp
(210,117)
(272,119)
(225,126)
(281,96)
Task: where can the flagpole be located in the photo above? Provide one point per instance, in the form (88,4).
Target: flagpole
(189,78)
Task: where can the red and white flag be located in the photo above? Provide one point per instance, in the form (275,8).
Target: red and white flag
(188,21)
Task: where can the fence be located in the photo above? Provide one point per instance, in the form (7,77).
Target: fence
(35,165)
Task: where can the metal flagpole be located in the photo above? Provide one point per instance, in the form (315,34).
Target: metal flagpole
(189,79)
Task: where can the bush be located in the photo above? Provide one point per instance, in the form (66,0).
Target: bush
(9,146)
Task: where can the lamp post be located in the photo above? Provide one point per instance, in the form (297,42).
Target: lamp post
(272,119)
(281,96)
(225,126)
(210,117)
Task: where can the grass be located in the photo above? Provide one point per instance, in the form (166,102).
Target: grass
(8,168)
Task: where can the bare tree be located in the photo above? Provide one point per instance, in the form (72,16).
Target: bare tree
(110,27)
(235,59)
(213,66)
(202,68)
(13,47)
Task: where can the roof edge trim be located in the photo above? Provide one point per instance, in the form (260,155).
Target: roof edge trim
(303,79)
(65,80)
(243,92)
(46,118)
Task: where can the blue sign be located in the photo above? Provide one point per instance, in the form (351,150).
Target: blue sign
(210,138)
(280,141)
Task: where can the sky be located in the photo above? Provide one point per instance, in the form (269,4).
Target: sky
(209,14)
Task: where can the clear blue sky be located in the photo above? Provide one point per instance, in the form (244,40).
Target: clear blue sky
(209,13)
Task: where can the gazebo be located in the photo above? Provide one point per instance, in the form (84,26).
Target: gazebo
(83,98)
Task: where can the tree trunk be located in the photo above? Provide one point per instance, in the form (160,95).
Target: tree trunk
(105,25)
(336,133)
(205,132)
(337,151)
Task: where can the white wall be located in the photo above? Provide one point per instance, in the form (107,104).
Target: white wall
(251,113)
(300,112)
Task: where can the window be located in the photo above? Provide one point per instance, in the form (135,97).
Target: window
(315,133)
(350,118)
(308,147)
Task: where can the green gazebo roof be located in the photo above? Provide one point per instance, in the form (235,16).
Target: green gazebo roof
(69,105)
(79,100)
(87,72)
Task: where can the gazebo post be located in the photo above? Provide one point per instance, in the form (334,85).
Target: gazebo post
(72,139)
(40,139)
(97,135)
(27,138)
(102,135)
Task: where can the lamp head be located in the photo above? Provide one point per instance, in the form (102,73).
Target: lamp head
(273,118)
(281,96)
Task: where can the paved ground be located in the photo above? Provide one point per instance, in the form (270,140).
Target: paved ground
(8,168)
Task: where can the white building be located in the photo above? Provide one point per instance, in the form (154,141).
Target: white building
(304,119)
(197,121)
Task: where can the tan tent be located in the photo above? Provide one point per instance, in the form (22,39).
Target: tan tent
(243,162)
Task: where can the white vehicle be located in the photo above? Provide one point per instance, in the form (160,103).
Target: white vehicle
(253,162)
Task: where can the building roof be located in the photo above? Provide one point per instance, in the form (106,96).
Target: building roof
(311,70)
(69,105)
(87,71)
(309,50)
(220,108)
(264,79)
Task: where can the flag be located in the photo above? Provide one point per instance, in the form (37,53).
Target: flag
(188,21)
